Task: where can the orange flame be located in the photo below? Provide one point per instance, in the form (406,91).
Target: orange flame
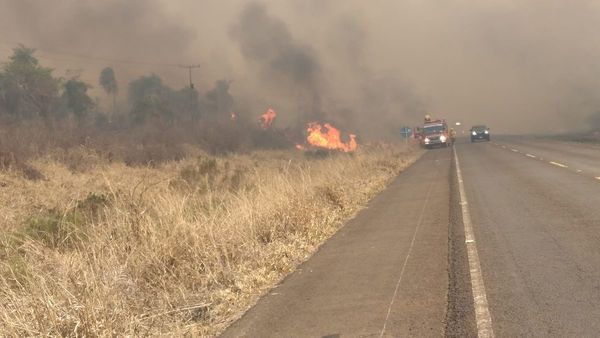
(266,119)
(330,138)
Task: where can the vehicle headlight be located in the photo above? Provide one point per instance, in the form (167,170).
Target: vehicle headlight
(443,138)
(427,140)
(474,133)
(487,132)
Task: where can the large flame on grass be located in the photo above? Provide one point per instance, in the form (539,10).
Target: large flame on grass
(266,119)
(328,137)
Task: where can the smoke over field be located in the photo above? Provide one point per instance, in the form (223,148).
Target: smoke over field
(520,66)
(283,62)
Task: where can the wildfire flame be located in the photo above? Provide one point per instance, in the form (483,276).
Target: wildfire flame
(266,119)
(328,137)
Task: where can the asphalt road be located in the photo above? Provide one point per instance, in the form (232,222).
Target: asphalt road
(402,267)
(534,204)
(383,274)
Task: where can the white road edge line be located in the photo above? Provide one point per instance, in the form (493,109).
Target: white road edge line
(410,249)
(531,155)
(482,311)
(559,164)
(514,150)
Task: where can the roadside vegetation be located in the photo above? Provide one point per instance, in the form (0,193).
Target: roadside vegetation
(102,248)
(169,217)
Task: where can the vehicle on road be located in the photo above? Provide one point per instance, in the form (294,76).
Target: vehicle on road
(435,133)
(480,132)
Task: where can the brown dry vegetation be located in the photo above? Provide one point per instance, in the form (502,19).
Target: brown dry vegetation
(96,247)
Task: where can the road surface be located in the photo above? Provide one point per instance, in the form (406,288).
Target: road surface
(404,266)
(535,206)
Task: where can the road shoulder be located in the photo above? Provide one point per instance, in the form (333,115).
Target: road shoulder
(387,268)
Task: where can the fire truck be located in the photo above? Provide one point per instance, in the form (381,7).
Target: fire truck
(435,133)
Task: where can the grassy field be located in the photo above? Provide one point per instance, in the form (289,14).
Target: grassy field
(95,247)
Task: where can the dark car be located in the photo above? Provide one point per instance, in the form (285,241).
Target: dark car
(480,133)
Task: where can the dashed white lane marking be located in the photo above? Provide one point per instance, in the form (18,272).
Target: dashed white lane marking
(559,164)
(410,249)
(482,311)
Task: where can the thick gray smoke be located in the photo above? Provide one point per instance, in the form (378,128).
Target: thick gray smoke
(357,98)
(370,66)
(283,61)
(134,28)
(136,37)
(267,41)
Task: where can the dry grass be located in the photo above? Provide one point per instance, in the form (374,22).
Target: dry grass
(99,248)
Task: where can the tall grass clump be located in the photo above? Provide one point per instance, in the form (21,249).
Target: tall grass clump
(180,247)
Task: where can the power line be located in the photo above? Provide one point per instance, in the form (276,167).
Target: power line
(62,56)
(189,68)
(94,58)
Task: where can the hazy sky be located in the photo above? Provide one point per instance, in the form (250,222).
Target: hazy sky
(517,65)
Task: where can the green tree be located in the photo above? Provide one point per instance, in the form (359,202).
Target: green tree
(218,100)
(27,89)
(145,86)
(108,81)
(76,98)
(150,99)
(152,108)
(185,100)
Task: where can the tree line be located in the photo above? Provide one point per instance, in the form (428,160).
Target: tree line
(29,90)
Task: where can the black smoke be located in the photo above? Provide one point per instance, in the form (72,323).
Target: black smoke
(283,62)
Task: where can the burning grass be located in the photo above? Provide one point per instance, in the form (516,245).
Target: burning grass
(178,247)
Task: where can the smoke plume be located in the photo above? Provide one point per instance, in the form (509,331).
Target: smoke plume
(520,66)
(283,62)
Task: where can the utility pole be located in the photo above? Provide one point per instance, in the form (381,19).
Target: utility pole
(189,68)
